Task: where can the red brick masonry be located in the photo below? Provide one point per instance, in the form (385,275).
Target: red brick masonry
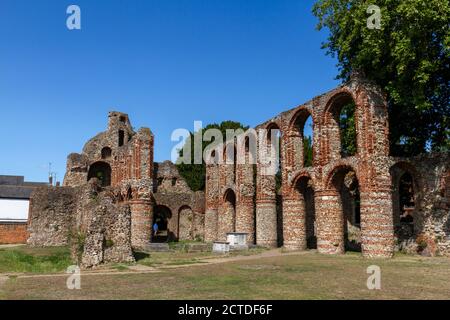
(13,232)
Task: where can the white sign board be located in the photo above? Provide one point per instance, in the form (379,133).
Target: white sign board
(14,209)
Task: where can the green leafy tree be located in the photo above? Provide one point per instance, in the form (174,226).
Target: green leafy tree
(195,174)
(409,57)
(308,151)
(348,130)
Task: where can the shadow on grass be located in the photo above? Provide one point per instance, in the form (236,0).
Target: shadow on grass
(141,256)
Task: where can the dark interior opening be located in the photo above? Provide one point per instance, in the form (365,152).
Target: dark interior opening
(101,171)
(121,137)
(161,217)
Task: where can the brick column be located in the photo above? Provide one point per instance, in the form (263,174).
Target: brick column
(211,202)
(225,221)
(266,211)
(245,207)
(141,222)
(377,225)
(266,223)
(211,224)
(330,222)
(294,223)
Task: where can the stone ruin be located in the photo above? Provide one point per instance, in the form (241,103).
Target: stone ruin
(111,196)
(368,201)
(339,202)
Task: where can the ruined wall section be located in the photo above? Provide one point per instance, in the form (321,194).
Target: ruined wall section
(431,224)
(52,210)
(126,161)
(370,164)
(87,218)
(187,207)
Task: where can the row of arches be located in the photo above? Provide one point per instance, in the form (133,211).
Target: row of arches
(179,226)
(340,129)
(338,217)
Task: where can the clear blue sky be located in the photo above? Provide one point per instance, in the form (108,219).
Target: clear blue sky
(164,62)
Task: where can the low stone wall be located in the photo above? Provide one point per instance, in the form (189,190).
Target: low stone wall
(429,234)
(52,210)
(88,218)
(13,233)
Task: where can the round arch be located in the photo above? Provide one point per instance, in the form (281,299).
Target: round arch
(302,155)
(102,171)
(345,207)
(343,100)
(161,216)
(185,223)
(406,183)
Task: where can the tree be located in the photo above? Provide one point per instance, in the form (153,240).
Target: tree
(195,174)
(348,130)
(308,151)
(409,57)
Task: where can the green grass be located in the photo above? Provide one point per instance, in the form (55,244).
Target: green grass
(303,276)
(120,267)
(34,260)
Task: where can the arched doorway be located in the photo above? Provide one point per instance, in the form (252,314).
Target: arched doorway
(404,201)
(227,215)
(185,223)
(305,194)
(346,209)
(102,171)
(161,217)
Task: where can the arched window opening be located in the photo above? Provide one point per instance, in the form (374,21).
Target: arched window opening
(121,137)
(308,142)
(230,209)
(101,171)
(303,138)
(404,202)
(274,152)
(406,198)
(347,129)
(106,153)
(341,126)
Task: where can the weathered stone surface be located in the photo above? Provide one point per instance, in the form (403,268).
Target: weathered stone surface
(338,203)
(87,218)
(108,201)
(318,202)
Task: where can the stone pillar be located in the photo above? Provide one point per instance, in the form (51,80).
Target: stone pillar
(245,219)
(211,225)
(377,225)
(141,222)
(266,206)
(266,223)
(225,221)
(330,222)
(245,206)
(294,223)
(211,202)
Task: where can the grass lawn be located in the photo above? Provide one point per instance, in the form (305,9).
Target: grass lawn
(23,259)
(303,276)
(161,259)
